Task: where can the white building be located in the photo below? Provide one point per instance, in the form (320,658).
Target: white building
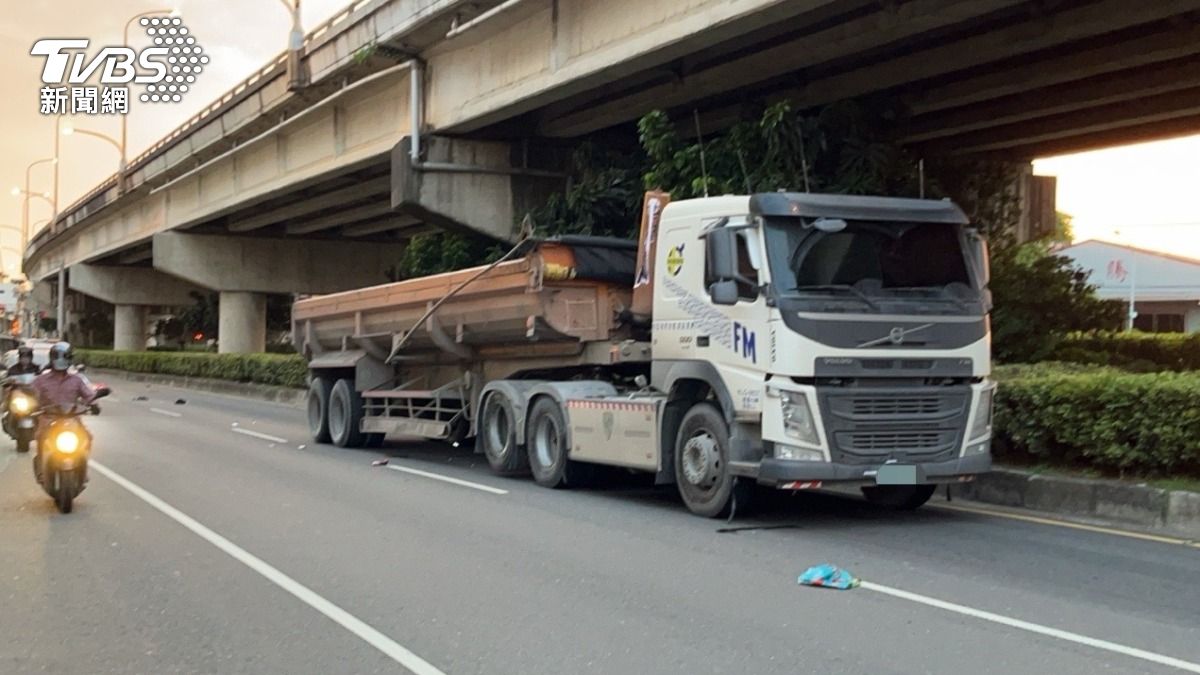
(1165,288)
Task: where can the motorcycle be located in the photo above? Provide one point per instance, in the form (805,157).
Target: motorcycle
(16,417)
(65,446)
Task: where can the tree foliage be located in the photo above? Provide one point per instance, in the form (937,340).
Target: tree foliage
(1039,298)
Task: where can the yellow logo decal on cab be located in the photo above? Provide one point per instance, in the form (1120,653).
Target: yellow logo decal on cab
(675,260)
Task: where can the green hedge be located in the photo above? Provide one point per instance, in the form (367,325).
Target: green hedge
(278,369)
(1138,352)
(1102,418)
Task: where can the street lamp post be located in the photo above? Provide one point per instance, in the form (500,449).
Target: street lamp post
(296,76)
(26,194)
(124,135)
(71,131)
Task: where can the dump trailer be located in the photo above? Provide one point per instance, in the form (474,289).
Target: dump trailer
(789,340)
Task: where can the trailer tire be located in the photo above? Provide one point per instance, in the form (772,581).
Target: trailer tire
(318,408)
(702,472)
(549,448)
(498,437)
(899,497)
(345,415)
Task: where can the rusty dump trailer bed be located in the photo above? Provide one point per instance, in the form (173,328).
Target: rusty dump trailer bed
(419,350)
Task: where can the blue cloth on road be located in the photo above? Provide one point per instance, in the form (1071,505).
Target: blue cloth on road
(828,576)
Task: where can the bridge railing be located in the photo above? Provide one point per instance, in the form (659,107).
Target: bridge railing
(106,192)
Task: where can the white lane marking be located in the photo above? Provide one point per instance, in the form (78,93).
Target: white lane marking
(168,413)
(448,479)
(1035,628)
(364,631)
(258,434)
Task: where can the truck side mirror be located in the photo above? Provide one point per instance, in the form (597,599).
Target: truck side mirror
(722,254)
(724,292)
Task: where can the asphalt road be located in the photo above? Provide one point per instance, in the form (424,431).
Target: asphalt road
(216,538)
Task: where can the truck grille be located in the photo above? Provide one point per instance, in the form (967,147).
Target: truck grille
(871,426)
(873,406)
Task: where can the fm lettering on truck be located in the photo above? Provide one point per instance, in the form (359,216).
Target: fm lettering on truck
(745,341)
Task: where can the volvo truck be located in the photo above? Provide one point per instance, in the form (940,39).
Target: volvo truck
(790,340)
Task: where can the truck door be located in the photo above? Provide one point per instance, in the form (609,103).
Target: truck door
(744,355)
(689,326)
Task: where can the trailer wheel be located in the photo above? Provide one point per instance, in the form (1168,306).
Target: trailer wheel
(702,473)
(498,437)
(899,497)
(345,415)
(318,408)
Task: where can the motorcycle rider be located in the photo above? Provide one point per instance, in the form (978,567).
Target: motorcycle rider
(24,364)
(58,387)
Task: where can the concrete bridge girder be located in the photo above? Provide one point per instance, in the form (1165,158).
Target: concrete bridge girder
(244,269)
(130,290)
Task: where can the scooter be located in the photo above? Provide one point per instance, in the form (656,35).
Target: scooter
(66,445)
(16,417)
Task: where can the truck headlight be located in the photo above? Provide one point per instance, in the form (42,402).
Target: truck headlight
(982,425)
(797,417)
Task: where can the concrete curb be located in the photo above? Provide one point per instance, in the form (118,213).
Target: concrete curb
(1108,500)
(263,392)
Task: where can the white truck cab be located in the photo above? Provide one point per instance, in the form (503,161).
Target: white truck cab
(844,338)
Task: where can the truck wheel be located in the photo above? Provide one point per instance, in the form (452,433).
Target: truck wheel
(345,415)
(702,472)
(899,497)
(318,409)
(498,437)
(546,439)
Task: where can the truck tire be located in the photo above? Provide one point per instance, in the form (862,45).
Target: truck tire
(702,472)
(345,415)
(498,437)
(318,408)
(546,441)
(899,497)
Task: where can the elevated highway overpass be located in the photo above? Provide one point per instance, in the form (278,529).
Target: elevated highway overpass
(423,114)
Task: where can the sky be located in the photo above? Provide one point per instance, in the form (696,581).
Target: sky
(1139,190)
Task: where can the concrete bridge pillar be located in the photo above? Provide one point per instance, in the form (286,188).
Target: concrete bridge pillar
(244,269)
(242,322)
(129,328)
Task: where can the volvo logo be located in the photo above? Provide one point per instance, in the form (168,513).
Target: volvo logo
(895,336)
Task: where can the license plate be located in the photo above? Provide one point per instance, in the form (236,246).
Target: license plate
(25,423)
(896,474)
(66,465)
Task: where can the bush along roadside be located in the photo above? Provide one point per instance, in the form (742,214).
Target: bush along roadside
(1138,352)
(1117,423)
(287,370)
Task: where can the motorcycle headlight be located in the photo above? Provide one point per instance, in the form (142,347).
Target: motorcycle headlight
(797,417)
(67,442)
(982,425)
(21,403)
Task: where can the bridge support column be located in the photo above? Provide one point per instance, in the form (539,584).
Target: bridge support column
(242,323)
(129,328)
(485,187)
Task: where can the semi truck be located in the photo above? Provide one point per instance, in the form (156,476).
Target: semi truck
(789,340)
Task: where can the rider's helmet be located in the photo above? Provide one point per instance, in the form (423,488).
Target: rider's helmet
(24,355)
(60,356)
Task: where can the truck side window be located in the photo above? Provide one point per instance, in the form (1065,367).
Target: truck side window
(748,265)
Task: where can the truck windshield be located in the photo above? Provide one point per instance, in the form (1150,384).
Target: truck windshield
(869,261)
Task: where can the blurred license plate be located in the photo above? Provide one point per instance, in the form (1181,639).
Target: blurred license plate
(25,423)
(896,474)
